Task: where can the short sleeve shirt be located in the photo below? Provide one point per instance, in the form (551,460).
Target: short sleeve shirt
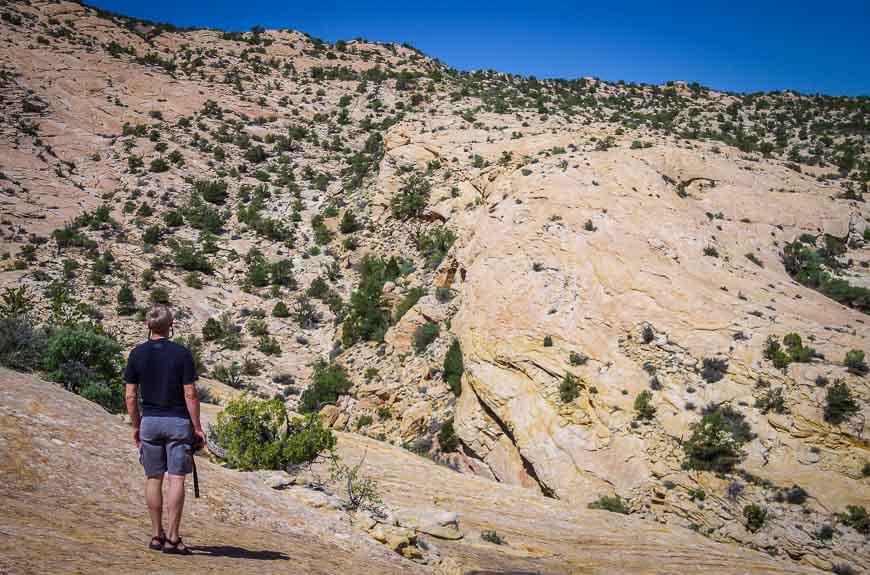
(161,368)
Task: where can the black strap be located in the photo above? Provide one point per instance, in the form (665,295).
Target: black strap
(195,479)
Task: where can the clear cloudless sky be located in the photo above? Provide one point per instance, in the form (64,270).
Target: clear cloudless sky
(739,45)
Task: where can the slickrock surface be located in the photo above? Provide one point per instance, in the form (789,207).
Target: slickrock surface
(71,488)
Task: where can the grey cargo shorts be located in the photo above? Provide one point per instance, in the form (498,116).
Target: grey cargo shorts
(166,445)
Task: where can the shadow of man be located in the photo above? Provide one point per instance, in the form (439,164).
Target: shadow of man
(237,552)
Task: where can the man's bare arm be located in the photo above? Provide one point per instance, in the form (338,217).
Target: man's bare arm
(131,397)
(192,401)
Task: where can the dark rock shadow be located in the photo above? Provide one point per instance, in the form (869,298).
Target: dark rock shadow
(237,552)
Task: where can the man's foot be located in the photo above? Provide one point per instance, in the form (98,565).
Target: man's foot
(157,542)
(175,547)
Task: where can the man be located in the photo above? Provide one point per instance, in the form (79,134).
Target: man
(164,435)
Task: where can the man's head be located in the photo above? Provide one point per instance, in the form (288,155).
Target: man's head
(159,320)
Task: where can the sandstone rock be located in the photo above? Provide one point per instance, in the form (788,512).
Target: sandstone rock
(441,524)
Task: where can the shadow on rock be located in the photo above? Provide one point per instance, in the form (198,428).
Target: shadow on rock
(237,552)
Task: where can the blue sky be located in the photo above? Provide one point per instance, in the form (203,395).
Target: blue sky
(737,45)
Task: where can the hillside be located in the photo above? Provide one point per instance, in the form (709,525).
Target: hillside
(574,277)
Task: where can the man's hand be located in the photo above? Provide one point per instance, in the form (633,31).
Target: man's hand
(200,438)
(136,437)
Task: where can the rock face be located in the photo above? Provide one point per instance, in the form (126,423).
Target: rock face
(533,268)
(71,487)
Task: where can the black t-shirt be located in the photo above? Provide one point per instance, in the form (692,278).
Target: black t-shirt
(161,368)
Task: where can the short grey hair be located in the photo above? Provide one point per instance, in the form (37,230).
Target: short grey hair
(159,319)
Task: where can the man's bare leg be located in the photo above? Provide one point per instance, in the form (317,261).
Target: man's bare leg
(154,497)
(175,505)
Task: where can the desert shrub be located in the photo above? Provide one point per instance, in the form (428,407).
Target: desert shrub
(825,533)
(257,327)
(717,440)
(212,330)
(795,495)
(448,441)
(857,518)
(839,404)
(190,259)
(569,389)
(280,310)
(575,358)
(359,493)
(424,335)
(774,352)
(21,343)
(548,341)
(368,316)
(643,405)
(328,382)
(159,294)
(222,330)
(228,374)
(755,516)
(411,298)
(492,537)
(435,244)
(158,165)
(711,251)
(173,218)
(648,335)
(257,434)
(771,400)
(193,280)
(349,223)
(713,369)
(854,362)
(411,199)
(364,421)
(454,368)
(258,268)
(614,504)
(305,313)
(88,362)
(212,191)
(269,345)
(126,301)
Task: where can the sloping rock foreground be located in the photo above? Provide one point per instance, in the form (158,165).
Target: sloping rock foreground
(72,498)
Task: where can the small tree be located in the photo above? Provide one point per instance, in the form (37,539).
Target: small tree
(643,406)
(839,404)
(716,441)
(854,362)
(411,199)
(448,441)
(126,301)
(569,389)
(257,434)
(360,493)
(280,310)
(755,516)
(454,368)
(328,382)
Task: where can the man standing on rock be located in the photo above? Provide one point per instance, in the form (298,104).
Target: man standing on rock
(164,435)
